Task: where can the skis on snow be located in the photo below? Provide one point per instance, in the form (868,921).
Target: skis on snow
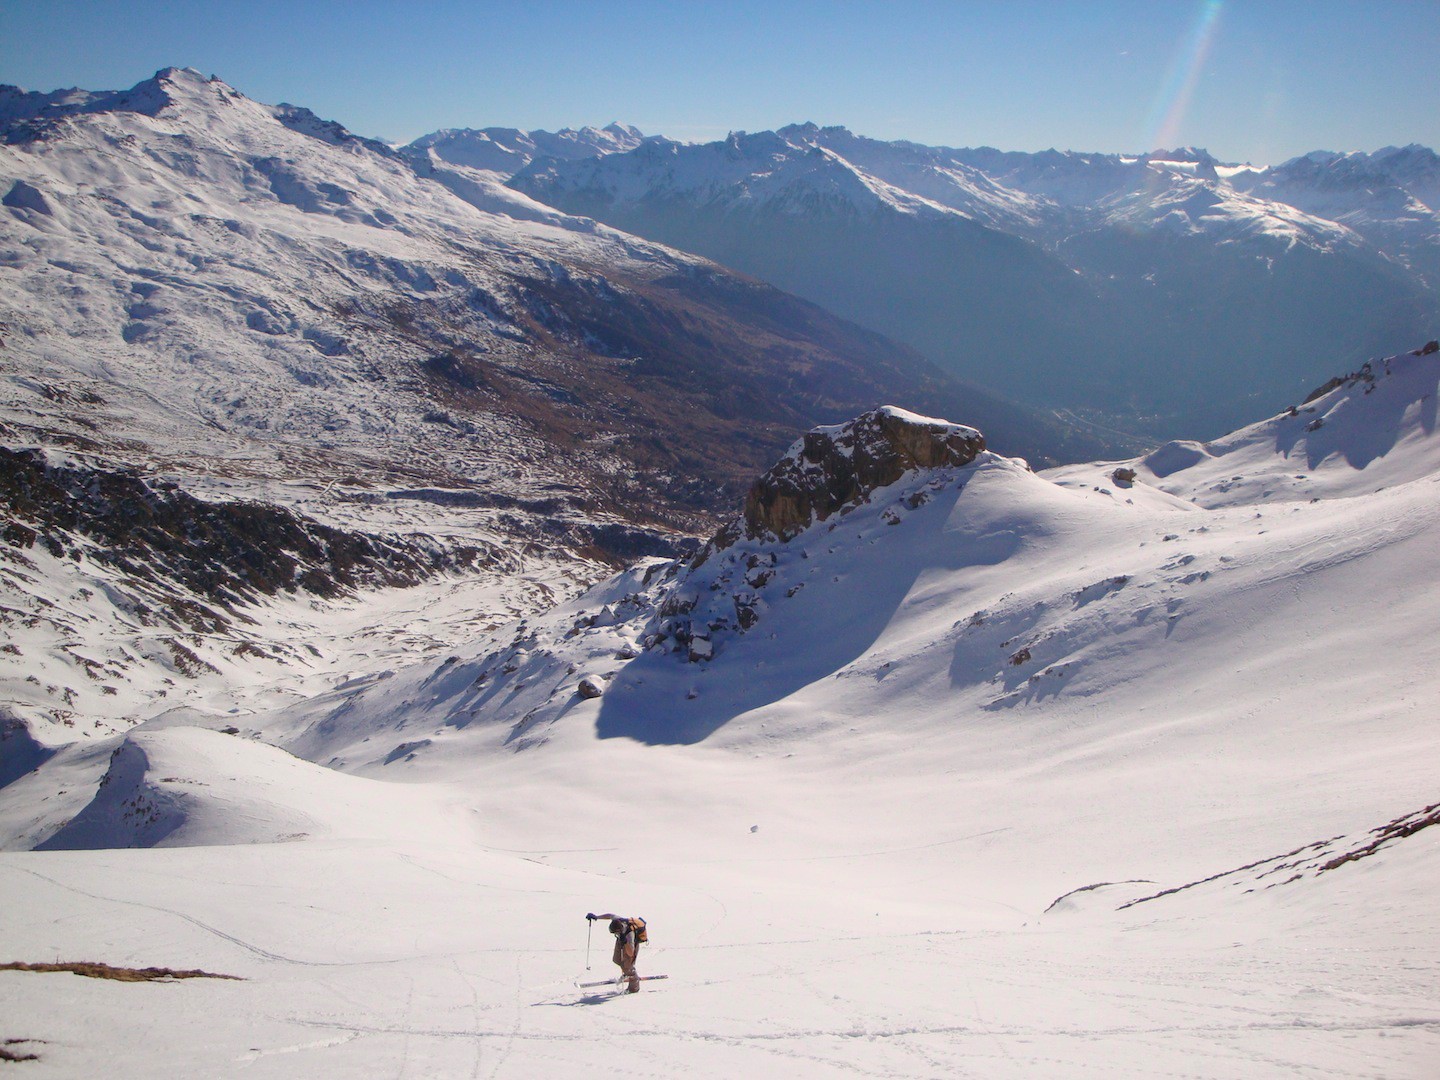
(621,981)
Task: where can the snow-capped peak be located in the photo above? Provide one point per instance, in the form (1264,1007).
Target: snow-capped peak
(168,88)
(748,170)
(508,150)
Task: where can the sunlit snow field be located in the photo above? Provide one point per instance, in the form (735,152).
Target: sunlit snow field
(889,830)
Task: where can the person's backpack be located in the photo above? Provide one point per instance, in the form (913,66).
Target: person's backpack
(637,924)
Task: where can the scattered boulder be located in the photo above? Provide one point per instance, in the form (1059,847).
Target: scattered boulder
(591,686)
(1124,477)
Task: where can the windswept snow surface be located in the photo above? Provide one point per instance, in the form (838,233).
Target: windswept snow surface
(1009,775)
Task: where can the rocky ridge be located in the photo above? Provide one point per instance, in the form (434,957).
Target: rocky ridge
(883,467)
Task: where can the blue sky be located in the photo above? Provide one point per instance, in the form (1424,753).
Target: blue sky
(1256,80)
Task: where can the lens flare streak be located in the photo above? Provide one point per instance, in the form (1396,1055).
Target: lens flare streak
(1173,101)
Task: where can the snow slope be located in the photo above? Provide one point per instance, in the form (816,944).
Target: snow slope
(1003,774)
(1358,434)
(190,787)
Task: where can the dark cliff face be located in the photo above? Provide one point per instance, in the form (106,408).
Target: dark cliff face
(834,467)
(227,554)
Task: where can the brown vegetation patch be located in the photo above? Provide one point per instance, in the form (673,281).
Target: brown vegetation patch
(95,970)
(7,1054)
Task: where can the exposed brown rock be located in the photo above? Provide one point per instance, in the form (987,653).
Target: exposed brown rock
(97,970)
(834,467)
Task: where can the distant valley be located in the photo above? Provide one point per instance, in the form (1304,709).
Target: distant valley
(1169,291)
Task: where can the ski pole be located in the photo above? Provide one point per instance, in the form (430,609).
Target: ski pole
(589,926)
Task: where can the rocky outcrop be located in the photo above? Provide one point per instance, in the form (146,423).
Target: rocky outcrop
(225,553)
(830,468)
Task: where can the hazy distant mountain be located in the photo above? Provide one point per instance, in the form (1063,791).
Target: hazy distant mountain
(1391,197)
(508,150)
(806,219)
(1161,288)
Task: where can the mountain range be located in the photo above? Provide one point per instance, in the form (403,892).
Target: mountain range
(1166,291)
(395,568)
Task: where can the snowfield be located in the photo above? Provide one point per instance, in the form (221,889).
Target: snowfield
(1117,770)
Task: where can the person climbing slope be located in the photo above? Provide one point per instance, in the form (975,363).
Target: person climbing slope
(629,936)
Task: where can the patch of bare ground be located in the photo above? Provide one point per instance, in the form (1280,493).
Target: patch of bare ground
(94,970)
(1385,834)
(1312,860)
(9,1053)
